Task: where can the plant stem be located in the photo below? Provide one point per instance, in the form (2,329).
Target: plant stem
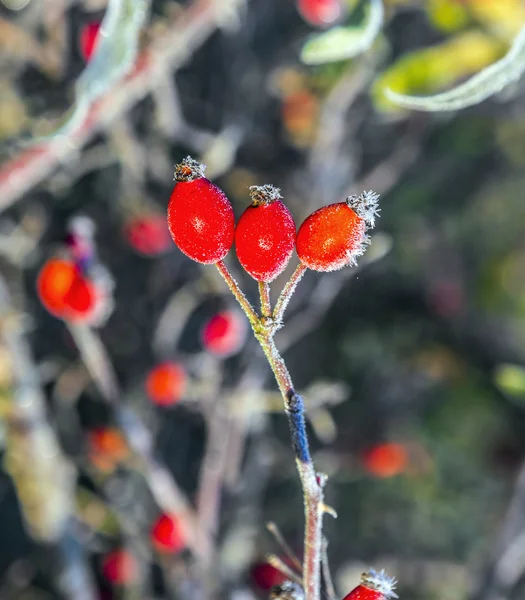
(264,293)
(287,292)
(264,330)
(237,292)
(312,490)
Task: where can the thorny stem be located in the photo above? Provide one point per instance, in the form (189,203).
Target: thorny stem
(264,292)
(237,292)
(287,293)
(264,331)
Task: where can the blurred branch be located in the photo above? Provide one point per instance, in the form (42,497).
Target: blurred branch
(161,483)
(164,54)
(43,477)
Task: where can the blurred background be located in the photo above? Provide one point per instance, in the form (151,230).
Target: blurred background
(143,441)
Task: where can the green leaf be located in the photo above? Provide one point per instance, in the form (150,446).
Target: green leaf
(342,43)
(511,379)
(486,83)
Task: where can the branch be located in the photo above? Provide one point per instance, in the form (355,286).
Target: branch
(166,53)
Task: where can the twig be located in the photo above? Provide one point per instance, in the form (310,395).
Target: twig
(274,530)
(237,292)
(266,304)
(277,563)
(162,485)
(287,292)
(264,331)
(166,53)
(327,576)
(43,477)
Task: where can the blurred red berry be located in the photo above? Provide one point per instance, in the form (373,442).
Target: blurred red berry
(88,39)
(107,448)
(265,576)
(167,534)
(319,13)
(374,586)
(265,235)
(334,235)
(166,383)
(200,216)
(148,235)
(54,281)
(224,334)
(65,292)
(386,460)
(120,567)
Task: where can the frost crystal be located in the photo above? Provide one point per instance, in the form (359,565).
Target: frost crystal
(189,169)
(380,582)
(264,194)
(365,205)
(287,591)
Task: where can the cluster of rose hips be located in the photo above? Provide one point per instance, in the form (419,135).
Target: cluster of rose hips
(202,224)
(76,288)
(121,568)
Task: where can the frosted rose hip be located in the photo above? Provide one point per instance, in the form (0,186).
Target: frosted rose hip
(335,235)
(374,585)
(265,234)
(200,216)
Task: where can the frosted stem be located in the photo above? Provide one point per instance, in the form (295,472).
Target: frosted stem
(237,292)
(287,293)
(264,293)
(312,490)
(264,329)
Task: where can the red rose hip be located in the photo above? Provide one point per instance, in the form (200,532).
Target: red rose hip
(224,334)
(373,586)
(200,216)
(265,234)
(335,235)
(166,383)
(89,39)
(319,13)
(120,567)
(167,534)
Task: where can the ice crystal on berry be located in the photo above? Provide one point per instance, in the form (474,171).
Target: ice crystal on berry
(264,194)
(380,582)
(287,591)
(189,169)
(366,206)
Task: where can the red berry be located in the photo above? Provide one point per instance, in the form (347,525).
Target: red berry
(54,281)
(265,235)
(89,39)
(319,13)
(224,334)
(266,576)
(335,235)
(65,292)
(373,586)
(386,460)
(120,567)
(80,299)
(168,535)
(200,216)
(148,234)
(166,383)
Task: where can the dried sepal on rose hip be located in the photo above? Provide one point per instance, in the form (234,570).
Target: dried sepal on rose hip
(200,216)
(374,585)
(335,235)
(265,234)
